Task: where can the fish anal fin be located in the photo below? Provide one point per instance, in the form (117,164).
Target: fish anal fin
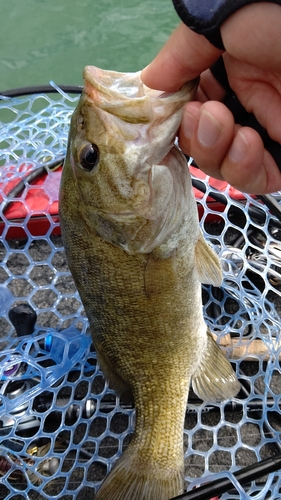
(214,379)
(207,263)
(133,478)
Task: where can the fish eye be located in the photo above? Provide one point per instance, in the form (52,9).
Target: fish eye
(88,156)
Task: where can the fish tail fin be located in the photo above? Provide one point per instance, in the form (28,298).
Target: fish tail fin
(133,478)
(214,379)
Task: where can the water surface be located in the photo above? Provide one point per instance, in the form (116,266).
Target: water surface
(43,40)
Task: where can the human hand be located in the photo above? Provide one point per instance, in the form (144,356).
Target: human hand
(222,149)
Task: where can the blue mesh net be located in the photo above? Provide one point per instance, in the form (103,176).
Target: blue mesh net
(61,427)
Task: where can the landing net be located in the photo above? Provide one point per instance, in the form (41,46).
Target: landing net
(61,427)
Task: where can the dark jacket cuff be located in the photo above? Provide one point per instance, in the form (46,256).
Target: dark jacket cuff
(205,17)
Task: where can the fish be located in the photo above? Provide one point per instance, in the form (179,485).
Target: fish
(134,246)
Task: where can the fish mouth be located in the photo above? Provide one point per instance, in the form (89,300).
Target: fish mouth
(122,100)
(125,96)
(113,83)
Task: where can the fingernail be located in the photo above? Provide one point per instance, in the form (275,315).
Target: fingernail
(209,129)
(188,125)
(239,148)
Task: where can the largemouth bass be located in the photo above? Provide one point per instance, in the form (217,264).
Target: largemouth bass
(134,247)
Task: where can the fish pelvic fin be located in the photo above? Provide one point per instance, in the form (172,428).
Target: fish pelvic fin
(207,263)
(133,478)
(214,379)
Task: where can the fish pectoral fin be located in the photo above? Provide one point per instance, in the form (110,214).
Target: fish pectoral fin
(214,379)
(207,263)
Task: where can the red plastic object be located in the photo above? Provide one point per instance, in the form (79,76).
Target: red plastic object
(38,203)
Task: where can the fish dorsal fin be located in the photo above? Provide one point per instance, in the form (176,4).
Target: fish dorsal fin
(214,379)
(207,264)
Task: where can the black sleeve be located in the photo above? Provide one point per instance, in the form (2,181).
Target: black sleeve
(206,16)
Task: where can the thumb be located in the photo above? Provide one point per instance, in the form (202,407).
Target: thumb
(184,57)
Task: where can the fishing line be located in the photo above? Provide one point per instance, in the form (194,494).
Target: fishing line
(64,92)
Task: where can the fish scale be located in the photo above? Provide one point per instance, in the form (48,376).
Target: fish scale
(138,260)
